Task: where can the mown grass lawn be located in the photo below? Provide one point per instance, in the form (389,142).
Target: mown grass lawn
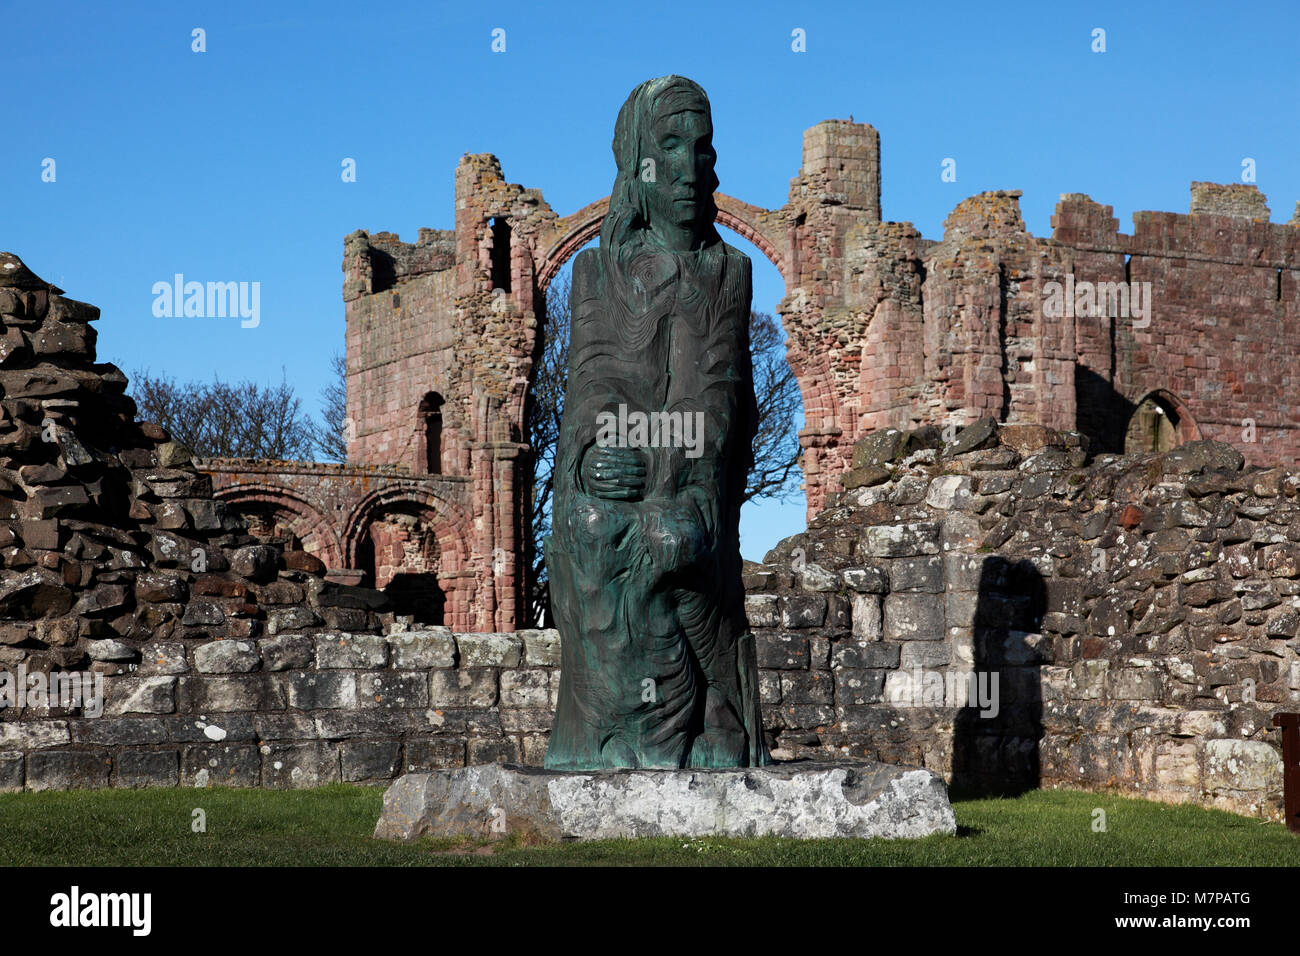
(332,827)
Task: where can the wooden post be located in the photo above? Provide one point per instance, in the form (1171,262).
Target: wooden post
(1290,724)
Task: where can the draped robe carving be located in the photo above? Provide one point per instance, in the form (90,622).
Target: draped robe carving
(658,667)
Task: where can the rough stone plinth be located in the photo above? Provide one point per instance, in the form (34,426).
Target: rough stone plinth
(800,800)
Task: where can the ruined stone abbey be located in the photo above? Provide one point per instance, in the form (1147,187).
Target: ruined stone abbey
(1062,469)
(1187,328)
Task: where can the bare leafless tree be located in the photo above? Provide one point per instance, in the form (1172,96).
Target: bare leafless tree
(227,419)
(330,435)
(774,474)
(545,409)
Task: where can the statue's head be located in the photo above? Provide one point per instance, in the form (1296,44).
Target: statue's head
(663,145)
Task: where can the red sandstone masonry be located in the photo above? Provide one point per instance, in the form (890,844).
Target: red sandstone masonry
(862,294)
(884,328)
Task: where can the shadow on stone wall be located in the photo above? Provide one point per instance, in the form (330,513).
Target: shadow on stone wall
(417,594)
(1103,413)
(996,736)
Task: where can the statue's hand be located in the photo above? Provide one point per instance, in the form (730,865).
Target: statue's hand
(617,473)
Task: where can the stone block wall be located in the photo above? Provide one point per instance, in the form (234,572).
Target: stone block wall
(298,708)
(1141,616)
(998,609)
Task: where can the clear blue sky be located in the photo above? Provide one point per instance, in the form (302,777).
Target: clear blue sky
(225,165)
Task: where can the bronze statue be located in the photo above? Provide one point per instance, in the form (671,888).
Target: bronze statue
(658,666)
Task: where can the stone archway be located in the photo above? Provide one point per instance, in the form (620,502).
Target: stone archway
(411,545)
(766,229)
(573,232)
(458,311)
(1160,421)
(271,511)
(562,239)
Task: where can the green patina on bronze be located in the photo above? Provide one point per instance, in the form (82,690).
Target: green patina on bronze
(658,666)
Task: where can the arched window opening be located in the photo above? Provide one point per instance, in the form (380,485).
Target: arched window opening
(400,556)
(1158,424)
(501,254)
(430,425)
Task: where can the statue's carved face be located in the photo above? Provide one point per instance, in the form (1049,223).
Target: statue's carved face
(680,179)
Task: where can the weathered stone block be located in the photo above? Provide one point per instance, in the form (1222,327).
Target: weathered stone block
(868,580)
(255,562)
(1177,765)
(1088,679)
(124,732)
(147,768)
(516,720)
(203,613)
(111,650)
(762,610)
(387,689)
(489,650)
(139,695)
(541,647)
(227,657)
(162,658)
(484,750)
(860,655)
(811,717)
(221,765)
(297,766)
(1241,765)
(525,688)
(472,721)
(813,577)
(291,619)
(802,801)
(901,540)
(341,724)
(351,651)
(67,770)
(11,771)
(781,650)
(370,759)
(1280,560)
(287,653)
(321,690)
(216,728)
(880,448)
(923,654)
(284,727)
(867,618)
(917,574)
(1135,683)
(465,687)
(431,647)
(534,748)
(251,692)
(961,608)
(949,491)
(808,687)
(964,572)
(435,753)
(856,686)
(803,610)
(913,617)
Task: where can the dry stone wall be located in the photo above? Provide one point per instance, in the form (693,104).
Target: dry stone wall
(147,639)
(1137,617)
